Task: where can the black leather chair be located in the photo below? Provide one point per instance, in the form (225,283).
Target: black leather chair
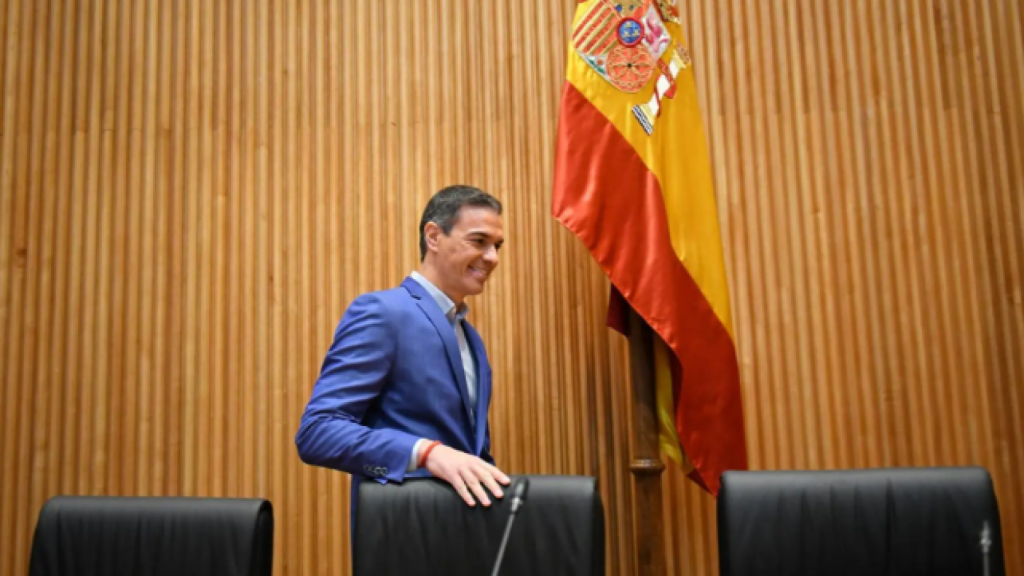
(422,527)
(106,536)
(896,522)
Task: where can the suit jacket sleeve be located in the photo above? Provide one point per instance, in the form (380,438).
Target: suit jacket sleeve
(354,372)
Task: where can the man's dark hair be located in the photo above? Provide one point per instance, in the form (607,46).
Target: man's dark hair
(443,209)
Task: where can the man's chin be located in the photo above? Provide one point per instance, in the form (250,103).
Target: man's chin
(475,287)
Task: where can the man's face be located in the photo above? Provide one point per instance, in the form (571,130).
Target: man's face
(466,257)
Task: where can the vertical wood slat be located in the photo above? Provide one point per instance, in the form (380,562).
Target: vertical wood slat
(190,194)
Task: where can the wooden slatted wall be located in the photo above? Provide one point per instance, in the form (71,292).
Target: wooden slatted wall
(191,192)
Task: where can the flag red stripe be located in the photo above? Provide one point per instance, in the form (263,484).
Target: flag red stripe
(607,197)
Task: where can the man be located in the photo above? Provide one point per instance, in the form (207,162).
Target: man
(405,388)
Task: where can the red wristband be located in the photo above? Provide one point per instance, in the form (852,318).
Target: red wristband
(426,452)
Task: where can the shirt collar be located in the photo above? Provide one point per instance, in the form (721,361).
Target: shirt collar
(442,299)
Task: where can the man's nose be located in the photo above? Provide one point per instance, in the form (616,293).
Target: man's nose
(491,255)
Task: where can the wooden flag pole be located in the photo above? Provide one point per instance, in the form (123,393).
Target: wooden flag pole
(646,464)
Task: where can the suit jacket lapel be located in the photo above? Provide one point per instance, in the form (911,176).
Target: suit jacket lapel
(447,334)
(483,381)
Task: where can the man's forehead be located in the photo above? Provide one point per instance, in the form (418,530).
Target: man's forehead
(472,219)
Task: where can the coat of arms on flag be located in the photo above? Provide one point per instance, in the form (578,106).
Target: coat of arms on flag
(625,42)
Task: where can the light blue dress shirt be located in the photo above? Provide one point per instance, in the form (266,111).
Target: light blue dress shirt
(455,316)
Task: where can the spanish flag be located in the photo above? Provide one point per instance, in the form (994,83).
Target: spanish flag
(633,182)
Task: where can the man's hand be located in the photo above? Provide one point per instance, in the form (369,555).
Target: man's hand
(467,474)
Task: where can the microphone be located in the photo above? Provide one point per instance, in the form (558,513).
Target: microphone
(518,499)
(519,494)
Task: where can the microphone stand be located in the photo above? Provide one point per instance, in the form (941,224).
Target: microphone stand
(518,498)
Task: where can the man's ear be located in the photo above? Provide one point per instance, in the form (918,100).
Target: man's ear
(432,233)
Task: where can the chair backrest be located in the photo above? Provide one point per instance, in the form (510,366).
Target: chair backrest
(94,536)
(895,521)
(423,527)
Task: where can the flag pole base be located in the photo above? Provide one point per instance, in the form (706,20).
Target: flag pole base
(646,465)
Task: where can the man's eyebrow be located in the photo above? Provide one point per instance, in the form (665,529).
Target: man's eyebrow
(480,233)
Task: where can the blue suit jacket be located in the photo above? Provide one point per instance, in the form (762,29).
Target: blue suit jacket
(393,375)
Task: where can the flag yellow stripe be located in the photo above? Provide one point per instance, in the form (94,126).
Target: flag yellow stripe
(668,439)
(676,153)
